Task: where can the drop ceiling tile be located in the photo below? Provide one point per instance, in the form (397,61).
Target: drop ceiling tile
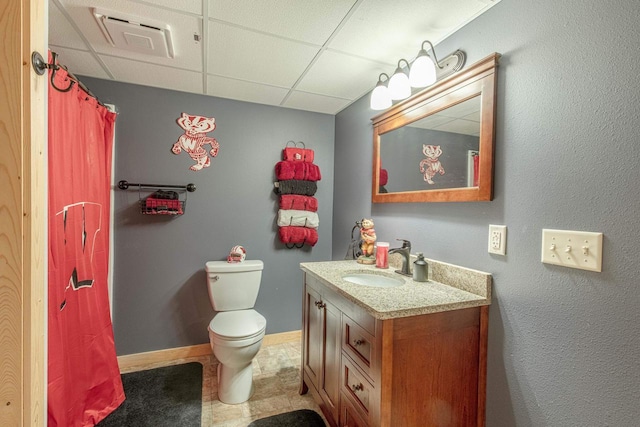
(317,103)
(190,6)
(342,76)
(256,57)
(80,62)
(245,91)
(387,31)
(188,53)
(61,32)
(475,116)
(308,21)
(459,126)
(431,122)
(128,71)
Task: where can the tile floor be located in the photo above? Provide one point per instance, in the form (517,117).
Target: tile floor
(276,374)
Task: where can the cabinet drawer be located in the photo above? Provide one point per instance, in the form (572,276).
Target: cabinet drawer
(349,417)
(356,387)
(358,344)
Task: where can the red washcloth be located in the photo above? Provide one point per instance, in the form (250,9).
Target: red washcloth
(384,177)
(297,170)
(297,235)
(297,201)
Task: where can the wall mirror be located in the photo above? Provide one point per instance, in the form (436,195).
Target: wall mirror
(437,146)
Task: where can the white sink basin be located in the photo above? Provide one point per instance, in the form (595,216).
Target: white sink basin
(369,279)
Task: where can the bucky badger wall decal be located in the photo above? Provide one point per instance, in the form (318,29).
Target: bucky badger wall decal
(194,138)
(431,165)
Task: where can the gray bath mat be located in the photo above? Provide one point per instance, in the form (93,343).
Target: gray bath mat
(162,397)
(300,418)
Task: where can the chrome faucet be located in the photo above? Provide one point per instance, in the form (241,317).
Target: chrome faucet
(405,251)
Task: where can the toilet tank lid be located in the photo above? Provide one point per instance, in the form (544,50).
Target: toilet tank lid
(226,267)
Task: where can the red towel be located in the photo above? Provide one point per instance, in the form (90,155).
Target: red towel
(297,201)
(384,176)
(154,206)
(297,170)
(296,154)
(297,235)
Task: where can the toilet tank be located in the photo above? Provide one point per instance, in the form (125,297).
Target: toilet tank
(233,286)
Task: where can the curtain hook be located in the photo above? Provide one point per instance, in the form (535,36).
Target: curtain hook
(54,65)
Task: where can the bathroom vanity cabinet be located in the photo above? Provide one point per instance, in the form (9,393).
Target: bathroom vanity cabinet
(417,370)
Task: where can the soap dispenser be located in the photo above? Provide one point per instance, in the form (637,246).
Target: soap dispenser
(420,269)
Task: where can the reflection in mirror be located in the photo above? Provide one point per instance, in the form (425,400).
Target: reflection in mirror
(437,146)
(438,151)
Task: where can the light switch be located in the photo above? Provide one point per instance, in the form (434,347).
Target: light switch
(573,249)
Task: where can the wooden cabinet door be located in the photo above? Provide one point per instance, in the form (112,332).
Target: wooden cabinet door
(313,333)
(329,386)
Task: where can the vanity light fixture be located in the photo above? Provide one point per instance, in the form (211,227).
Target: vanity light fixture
(380,98)
(399,87)
(423,71)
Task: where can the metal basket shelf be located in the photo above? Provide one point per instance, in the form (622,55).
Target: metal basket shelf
(161,202)
(154,206)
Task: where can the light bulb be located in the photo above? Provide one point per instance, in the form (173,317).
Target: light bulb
(423,71)
(399,87)
(380,99)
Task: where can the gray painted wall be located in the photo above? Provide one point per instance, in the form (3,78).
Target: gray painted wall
(563,343)
(160,294)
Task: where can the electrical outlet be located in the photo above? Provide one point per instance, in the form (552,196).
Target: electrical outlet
(573,249)
(498,239)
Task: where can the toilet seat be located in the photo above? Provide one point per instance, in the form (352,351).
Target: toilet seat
(238,325)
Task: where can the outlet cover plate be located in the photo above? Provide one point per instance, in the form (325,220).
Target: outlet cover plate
(497,239)
(573,249)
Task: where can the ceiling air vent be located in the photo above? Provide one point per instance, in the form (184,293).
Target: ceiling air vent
(135,34)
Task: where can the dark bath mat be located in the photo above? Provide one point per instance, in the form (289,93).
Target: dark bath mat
(300,418)
(162,397)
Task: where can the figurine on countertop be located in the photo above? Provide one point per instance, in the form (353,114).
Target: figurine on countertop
(368,240)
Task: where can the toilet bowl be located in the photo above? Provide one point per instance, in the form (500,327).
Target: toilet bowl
(237,330)
(236,337)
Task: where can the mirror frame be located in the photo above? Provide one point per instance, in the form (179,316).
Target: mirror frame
(477,80)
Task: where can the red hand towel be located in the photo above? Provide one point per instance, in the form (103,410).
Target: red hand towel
(384,177)
(297,170)
(297,235)
(295,154)
(296,201)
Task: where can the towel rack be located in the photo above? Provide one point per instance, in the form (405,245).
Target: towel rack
(160,202)
(124,185)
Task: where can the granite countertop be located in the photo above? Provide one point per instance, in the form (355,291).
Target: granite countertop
(449,287)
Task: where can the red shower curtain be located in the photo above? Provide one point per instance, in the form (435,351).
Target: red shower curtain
(84,384)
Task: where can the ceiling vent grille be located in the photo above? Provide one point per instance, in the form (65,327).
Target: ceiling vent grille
(132,34)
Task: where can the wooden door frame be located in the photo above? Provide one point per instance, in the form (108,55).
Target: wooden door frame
(23,215)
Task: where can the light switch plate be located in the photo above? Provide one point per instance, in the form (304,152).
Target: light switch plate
(497,239)
(573,249)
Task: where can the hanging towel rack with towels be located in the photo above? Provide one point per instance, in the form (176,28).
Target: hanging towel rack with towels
(161,201)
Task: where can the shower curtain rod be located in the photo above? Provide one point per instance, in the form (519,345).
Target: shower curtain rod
(55,67)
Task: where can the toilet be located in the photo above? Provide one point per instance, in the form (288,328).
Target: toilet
(237,330)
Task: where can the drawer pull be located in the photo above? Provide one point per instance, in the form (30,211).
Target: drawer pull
(357,387)
(359,342)
(320,304)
